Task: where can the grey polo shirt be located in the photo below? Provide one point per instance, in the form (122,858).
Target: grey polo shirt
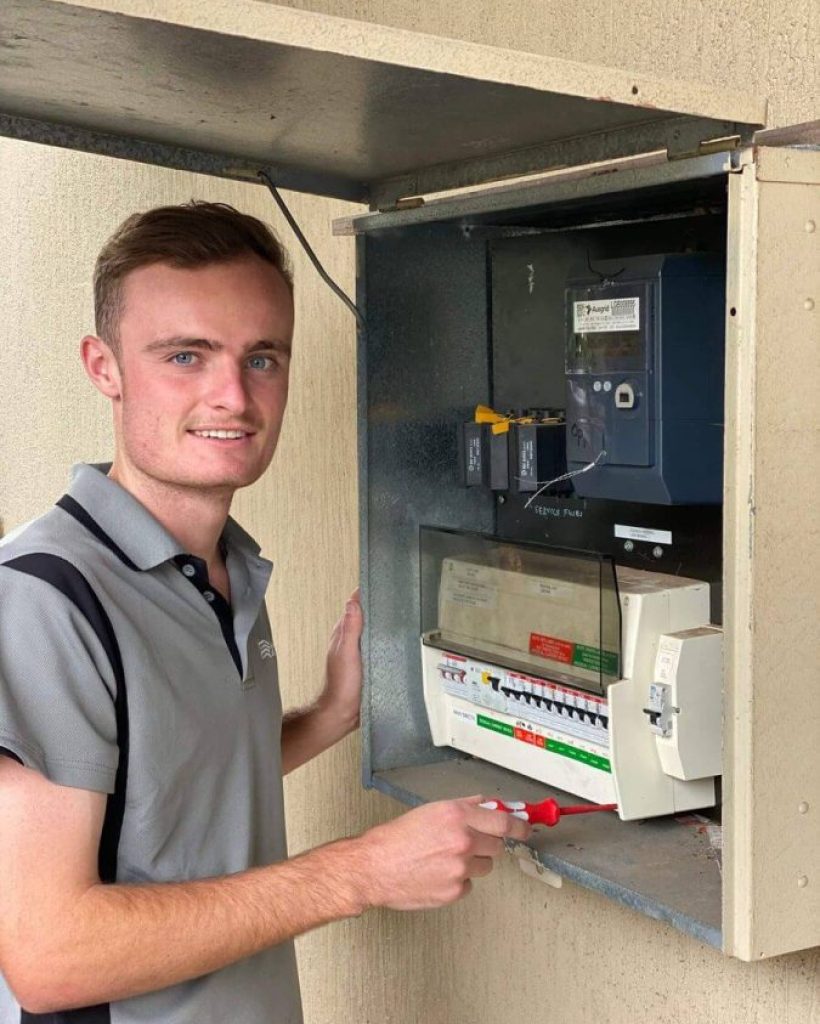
(202,772)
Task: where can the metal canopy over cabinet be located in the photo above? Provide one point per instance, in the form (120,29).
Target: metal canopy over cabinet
(330,106)
(375,115)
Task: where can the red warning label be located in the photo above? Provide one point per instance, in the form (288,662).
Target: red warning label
(552,648)
(528,737)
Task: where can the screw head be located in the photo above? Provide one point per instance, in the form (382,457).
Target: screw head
(802,881)
(657,551)
(810,226)
(803,807)
(628,545)
(808,305)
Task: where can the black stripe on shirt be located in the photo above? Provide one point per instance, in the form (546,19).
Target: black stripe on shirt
(66,578)
(75,509)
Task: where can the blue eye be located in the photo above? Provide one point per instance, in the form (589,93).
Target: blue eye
(183,358)
(260,363)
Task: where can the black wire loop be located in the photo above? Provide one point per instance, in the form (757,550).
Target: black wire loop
(314,259)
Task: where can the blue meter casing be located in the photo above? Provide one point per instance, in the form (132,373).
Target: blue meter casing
(644,379)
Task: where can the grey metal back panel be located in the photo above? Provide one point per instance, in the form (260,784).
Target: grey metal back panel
(424,366)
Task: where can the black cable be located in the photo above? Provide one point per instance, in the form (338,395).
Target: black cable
(314,259)
(603,277)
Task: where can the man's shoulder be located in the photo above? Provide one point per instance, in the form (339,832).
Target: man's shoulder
(52,533)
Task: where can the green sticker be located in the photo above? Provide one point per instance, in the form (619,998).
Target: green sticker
(584,756)
(553,746)
(495,726)
(592,659)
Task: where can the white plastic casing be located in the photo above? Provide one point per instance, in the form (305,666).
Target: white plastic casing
(652,606)
(690,663)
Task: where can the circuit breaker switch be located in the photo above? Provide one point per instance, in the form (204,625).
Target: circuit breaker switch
(659,709)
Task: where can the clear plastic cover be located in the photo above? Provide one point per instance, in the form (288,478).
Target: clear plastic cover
(549,612)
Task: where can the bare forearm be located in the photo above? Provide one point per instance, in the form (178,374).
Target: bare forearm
(121,940)
(310,731)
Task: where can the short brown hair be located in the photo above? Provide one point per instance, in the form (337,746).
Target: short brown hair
(190,235)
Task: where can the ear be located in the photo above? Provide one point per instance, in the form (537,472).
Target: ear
(101,366)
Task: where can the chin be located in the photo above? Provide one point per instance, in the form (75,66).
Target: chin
(223,481)
(208,478)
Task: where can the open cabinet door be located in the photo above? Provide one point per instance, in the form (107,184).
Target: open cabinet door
(772,556)
(329,106)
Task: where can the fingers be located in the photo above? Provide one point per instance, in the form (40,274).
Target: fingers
(486,846)
(348,628)
(352,618)
(498,823)
(479,867)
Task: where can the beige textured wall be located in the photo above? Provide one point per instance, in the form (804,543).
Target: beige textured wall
(769,46)
(515,949)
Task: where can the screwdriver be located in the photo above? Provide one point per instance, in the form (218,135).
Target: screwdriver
(548,812)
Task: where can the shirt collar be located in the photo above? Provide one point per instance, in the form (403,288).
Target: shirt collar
(131,526)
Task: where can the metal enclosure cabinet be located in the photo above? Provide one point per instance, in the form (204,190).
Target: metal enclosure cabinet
(378,115)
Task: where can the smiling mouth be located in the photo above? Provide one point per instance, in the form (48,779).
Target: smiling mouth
(222,435)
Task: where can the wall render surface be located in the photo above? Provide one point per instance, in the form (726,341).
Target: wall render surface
(772,47)
(514,950)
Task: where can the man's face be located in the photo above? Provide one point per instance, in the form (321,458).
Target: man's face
(203,352)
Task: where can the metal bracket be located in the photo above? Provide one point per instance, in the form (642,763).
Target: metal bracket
(531,866)
(679,137)
(684,148)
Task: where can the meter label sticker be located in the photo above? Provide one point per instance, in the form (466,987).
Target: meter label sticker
(551,746)
(606,316)
(641,533)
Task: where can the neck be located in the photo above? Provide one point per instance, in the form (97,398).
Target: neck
(193,516)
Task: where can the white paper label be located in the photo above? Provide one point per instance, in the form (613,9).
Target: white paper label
(641,533)
(471,593)
(605,316)
(550,588)
(667,662)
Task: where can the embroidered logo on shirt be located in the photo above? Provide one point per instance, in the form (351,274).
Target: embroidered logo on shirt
(266,649)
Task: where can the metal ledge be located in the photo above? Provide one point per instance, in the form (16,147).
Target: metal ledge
(647,171)
(662,868)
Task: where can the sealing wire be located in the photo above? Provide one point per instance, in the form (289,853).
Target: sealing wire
(566,476)
(311,255)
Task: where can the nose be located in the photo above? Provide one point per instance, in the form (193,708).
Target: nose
(227,388)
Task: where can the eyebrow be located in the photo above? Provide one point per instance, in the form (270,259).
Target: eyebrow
(263,345)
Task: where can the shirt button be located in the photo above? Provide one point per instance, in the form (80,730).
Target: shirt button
(188,570)
(208,595)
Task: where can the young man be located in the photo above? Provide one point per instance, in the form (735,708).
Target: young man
(142,847)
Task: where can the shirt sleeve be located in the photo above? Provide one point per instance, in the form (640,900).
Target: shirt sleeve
(57,687)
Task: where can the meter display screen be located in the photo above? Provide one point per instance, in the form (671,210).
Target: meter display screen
(602,353)
(607,327)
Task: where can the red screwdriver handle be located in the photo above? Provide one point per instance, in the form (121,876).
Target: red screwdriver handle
(547,812)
